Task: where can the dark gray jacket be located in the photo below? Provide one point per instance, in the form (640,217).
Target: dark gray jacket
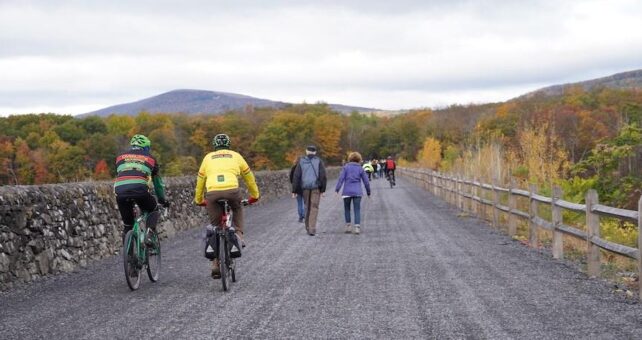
(308,169)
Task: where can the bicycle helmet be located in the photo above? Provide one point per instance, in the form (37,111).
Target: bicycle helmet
(140,141)
(221,141)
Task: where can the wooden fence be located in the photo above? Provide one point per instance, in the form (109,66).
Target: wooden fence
(471,197)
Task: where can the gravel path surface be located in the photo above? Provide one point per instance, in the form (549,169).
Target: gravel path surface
(416,271)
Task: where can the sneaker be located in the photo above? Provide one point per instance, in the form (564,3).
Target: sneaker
(301,219)
(311,234)
(348,228)
(216,271)
(148,240)
(357,229)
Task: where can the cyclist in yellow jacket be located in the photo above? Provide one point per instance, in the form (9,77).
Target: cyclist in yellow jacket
(218,179)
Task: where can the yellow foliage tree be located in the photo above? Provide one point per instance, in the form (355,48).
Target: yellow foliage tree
(327,135)
(541,152)
(430,155)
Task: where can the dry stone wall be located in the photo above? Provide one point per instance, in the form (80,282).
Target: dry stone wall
(51,229)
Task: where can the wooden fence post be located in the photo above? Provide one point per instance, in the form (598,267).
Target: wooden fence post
(448,193)
(453,195)
(558,240)
(473,193)
(469,203)
(640,246)
(495,204)
(460,193)
(593,228)
(433,182)
(533,213)
(512,205)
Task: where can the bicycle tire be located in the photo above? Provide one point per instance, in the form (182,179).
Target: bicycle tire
(233,271)
(222,261)
(130,260)
(154,257)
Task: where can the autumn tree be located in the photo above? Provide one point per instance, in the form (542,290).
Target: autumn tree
(430,155)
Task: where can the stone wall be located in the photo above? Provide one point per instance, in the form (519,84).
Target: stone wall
(50,229)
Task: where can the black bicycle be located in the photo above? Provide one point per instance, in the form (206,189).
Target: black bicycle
(390,179)
(227,244)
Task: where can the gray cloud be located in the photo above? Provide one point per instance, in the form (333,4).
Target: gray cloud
(371,53)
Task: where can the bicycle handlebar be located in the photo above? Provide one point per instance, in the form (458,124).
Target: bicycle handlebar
(244,202)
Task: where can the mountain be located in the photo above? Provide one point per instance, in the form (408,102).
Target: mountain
(200,101)
(624,80)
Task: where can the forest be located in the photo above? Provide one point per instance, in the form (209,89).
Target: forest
(579,140)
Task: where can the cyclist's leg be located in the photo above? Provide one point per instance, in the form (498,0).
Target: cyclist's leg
(214,211)
(147,203)
(235,197)
(126,209)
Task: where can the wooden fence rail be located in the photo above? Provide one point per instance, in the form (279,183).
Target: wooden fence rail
(476,197)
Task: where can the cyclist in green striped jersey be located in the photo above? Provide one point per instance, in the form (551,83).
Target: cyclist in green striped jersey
(136,169)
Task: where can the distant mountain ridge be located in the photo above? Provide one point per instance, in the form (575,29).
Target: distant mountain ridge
(201,102)
(623,80)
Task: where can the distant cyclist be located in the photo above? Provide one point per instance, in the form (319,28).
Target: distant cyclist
(135,167)
(390,169)
(369,169)
(218,179)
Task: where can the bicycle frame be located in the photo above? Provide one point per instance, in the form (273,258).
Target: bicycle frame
(139,237)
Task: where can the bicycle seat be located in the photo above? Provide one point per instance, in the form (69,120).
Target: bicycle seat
(223,202)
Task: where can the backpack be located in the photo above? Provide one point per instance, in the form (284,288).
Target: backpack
(309,173)
(390,164)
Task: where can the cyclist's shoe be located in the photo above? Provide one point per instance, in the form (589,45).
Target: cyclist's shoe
(357,229)
(149,242)
(216,271)
(348,228)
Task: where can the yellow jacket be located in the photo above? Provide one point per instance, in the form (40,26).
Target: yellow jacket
(220,171)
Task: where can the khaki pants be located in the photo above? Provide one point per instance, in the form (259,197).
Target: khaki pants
(311,198)
(215,211)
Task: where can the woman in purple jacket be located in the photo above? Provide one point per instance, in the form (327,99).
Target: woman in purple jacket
(351,177)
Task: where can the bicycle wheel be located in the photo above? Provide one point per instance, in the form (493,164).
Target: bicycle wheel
(153,257)
(130,261)
(233,270)
(222,261)
(390,181)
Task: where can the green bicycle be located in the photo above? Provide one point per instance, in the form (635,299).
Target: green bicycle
(141,250)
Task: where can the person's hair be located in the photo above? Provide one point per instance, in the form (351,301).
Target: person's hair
(354,157)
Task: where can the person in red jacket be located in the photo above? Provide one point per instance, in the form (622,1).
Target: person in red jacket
(390,169)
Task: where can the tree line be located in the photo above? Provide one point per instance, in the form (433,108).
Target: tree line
(580,139)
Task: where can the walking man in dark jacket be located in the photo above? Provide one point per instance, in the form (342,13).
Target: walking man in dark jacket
(310,178)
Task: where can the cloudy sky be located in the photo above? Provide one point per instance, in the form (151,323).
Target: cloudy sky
(78,56)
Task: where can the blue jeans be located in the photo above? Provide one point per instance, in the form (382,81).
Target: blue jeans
(300,206)
(357,208)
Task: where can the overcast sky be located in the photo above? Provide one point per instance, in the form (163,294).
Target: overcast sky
(78,56)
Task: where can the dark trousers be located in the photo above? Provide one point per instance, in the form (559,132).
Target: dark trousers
(356,202)
(146,202)
(300,206)
(391,172)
